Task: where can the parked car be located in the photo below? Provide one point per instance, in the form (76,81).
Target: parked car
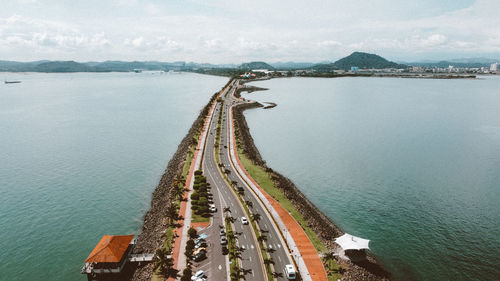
(225,251)
(244,220)
(200,244)
(198,274)
(222,232)
(200,256)
(223,240)
(199,250)
(198,240)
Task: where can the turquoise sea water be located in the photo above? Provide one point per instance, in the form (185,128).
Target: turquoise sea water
(80,156)
(411,164)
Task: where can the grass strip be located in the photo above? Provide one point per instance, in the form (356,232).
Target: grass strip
(265,182)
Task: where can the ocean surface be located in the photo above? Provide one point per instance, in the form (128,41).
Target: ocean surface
(80,155)
(411,164)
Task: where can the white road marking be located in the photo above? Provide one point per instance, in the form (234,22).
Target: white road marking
(251,246)
(279,246)
(279,258)
(220,267)
(245,236)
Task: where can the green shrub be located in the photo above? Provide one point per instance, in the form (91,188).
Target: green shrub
(195,196)
(192,233)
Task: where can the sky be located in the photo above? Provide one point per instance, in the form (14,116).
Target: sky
(235,31)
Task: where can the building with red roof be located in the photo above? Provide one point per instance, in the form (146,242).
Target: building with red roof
(109,257)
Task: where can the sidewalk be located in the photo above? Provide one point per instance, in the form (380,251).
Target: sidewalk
(178,256)
(301,247)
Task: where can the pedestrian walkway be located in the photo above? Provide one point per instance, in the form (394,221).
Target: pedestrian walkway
(184,222)
(306,249)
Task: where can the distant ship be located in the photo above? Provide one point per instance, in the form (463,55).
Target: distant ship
(137,70)
(11,82)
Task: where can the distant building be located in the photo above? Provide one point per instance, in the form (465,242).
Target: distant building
(494,66)
(265,71)
(354,68)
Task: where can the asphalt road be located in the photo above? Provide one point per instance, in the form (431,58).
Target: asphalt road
(216,264)
(276,249)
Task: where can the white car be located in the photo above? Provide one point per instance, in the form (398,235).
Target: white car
(212,208)
(200,274)
(290,272)
(244,220)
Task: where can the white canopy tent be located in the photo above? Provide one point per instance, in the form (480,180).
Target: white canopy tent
(350,242)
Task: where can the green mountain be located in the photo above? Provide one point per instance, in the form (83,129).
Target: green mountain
(255,65)
(361,60)
(65,66)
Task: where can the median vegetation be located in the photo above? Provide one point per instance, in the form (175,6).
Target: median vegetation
(239,191)
(199,198)
(234,252)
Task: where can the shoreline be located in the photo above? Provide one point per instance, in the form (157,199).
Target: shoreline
(322,225)
(154,220)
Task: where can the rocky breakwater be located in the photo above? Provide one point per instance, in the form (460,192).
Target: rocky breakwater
(322,225)
(155,220)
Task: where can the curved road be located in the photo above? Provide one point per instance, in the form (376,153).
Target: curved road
(275,245)
(215,265)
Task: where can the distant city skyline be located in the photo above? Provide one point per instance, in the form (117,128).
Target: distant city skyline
(241,31)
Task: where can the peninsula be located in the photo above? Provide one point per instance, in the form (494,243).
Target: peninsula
(219,212)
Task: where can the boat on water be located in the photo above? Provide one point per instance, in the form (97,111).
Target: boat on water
(11,82)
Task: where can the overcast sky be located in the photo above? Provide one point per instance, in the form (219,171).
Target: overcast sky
(235,31)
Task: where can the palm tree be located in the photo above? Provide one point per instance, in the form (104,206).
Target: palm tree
(249,204)
(234,183)
(234,255)
(270,250)
(179,192)
(246,271)
(163,263)
(256,217)
(277,274)
(328,256)
(236,274)
(227,210)
(268,261)
(171,213)
(262,238)
(230,219)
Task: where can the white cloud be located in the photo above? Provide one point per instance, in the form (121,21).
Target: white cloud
(233,31)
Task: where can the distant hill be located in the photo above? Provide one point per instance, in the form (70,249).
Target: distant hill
(361,60)
(255,65)
(291,65)
(474,60)
(65,66)
(455,63)
(106,66)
